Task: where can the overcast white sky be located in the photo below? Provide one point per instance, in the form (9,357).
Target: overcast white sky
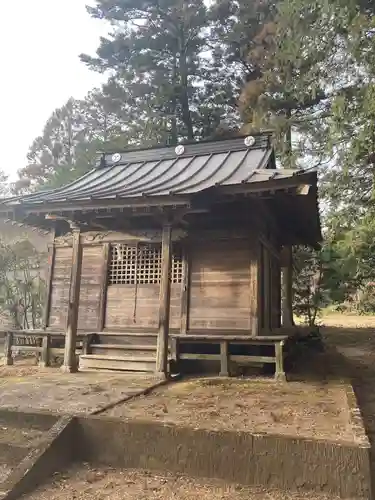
(40,41)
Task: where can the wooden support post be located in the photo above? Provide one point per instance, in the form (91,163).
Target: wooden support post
(47,307)
(175,349)
(86,343)
(103,286)
(175,354)
(185,292)
(165,300)
(224,358)
(267,288)
(8,343)
(279,356)
(46,345)
(287,284)
(255,288)
(70,360)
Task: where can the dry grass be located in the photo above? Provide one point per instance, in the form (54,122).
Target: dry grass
(85,483)
(23,368)
(295,409)
(348,321)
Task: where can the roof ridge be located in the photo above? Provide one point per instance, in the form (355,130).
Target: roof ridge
(108,159)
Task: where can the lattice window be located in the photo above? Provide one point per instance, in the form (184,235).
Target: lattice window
(149,265)
(123,265)
(131,265)
(177,267)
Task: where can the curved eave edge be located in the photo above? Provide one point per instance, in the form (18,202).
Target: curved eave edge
(152,200)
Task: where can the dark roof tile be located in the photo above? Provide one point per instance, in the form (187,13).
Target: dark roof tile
(161,172)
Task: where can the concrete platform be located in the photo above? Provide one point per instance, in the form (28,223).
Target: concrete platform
(24,387)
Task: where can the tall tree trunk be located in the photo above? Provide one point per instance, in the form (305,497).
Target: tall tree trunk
(288,138)
(173,139)
(184,95)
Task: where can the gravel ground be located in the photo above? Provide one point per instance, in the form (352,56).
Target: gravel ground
(86,483)
(25,387)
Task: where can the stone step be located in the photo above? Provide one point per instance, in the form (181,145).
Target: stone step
(117,363)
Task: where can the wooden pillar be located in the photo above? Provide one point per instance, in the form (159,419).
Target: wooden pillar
(185,292)
(86,343)
(8,343)
(279,361)
(267,288)
(70,361)
(47,307)
(46,346)
(255,287)
(103,286)
(287,284)
(224,359)
(165,300)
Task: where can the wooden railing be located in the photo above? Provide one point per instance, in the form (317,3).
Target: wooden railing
(43,343)
(224,341)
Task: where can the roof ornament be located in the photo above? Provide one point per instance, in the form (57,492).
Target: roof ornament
(249,141)
(116,157)
(179,150)
(102,163)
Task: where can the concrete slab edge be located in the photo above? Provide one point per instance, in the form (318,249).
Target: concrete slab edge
(50,456)
(270,460)
(355,416)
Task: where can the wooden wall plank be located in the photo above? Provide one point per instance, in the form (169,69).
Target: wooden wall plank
(266,288)
(60,287)
(90,291)
(255,287)
(276,293)
(220,295)
(122,299)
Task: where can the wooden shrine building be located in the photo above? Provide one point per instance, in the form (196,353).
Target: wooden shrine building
(158,245)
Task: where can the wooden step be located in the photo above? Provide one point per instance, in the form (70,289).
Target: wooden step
(120,363)
(132,347)
(127,334)
(128,338)
(121,350)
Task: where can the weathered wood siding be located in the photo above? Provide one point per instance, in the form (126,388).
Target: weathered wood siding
(220,285)
(60,288)
(138,306)
(91,278)
(270,291)
(275,293)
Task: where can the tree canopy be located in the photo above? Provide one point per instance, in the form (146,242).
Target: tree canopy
(182,70)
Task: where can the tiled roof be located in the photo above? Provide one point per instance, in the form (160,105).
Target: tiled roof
(163,172)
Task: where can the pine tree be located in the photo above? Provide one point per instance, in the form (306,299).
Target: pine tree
(71,138)
(300,58)
(4,186)
(159,55)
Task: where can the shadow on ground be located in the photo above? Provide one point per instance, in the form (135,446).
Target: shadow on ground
(349,354)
